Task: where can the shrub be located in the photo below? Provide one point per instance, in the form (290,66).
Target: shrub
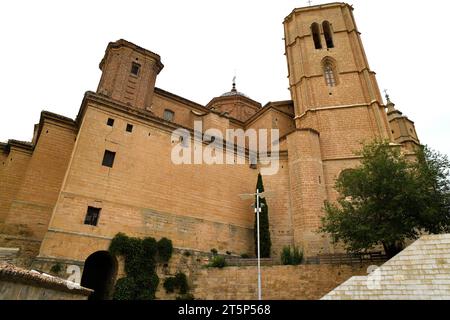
(291,256)
(137,258)
(147,284)
(297,256)
(169,284)
(286,257)
(125,289)
(119,244)
(228,253)
(178,282)
(56,268)
(187,296)
(165,249)
(150,246)
(181,282)
(218,262)
(187,254)
(214,251)
(245,256)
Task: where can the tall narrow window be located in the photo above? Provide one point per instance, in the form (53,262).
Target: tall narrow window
(328,34)
(330,78)
(316,35)
(108,158)
(168,115)
(92,216)
(135,67)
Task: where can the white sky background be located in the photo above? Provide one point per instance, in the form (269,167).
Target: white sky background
(50,52)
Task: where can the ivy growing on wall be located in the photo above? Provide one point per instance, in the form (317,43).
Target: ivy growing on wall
(56,268)
(141,257)
(179,282)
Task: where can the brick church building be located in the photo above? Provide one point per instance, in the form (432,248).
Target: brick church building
(65,194)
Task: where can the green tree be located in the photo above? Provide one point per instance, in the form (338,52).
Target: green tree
(389,199)
(264,232)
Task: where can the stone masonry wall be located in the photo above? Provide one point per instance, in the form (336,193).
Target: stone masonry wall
(145,194)
(303,282)
(13,169)
(33,203)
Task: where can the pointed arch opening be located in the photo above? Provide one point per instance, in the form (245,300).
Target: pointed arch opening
(328,34)
(315,30)
(329,72)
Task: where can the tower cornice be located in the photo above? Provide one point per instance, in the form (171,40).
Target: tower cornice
(124,43)
(317,7)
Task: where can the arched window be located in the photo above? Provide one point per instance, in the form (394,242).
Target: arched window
(328,34)
(316,35)
(328,71)
(168,115)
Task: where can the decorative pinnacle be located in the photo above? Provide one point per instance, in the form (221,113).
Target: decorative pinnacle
(387,96)
(233,89)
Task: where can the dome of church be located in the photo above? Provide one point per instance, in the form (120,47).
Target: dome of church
(234,92)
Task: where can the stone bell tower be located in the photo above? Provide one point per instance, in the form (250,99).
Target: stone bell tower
(337,105)
(129,74)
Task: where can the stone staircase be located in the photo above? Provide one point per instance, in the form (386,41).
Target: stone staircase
(8,255)
(419,272)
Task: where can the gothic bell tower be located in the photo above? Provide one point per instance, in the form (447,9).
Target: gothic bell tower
(338,105)
(328,67)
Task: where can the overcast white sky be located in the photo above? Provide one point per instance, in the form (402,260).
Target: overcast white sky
(50,53)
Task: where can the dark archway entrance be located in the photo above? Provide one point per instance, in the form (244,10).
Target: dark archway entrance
(99,274)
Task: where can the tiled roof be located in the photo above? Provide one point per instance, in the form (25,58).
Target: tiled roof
(11,273)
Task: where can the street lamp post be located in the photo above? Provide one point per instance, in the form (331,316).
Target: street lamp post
(257,211)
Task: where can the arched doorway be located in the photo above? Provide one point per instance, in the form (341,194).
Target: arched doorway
(99,274)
